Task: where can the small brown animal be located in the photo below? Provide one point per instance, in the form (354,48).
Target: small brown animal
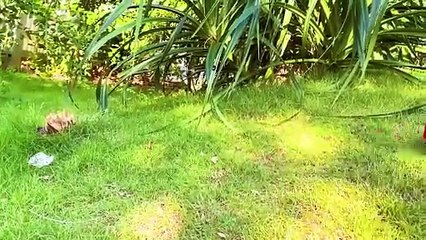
(56,123)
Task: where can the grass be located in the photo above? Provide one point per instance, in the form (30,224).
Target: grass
(310,178)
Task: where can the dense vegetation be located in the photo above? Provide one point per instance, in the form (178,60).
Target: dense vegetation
(288,153)
(216,44)
(233,41)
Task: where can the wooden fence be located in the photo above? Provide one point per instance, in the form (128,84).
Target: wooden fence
(22,47)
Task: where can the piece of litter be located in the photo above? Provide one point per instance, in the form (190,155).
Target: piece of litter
(221,235)
(40,160)
(45,178)
(214,159)
(255,192)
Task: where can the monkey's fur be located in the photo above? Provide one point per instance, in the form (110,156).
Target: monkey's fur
(56,123)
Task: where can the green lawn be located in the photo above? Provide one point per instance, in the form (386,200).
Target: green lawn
(309,178)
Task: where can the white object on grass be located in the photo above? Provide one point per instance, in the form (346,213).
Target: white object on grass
(40,160)
(214,159)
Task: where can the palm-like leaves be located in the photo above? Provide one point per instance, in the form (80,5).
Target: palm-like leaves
(235,40)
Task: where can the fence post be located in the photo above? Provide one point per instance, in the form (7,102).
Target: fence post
(21,48)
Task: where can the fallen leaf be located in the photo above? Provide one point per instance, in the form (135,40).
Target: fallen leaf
(221,235)
(214,159)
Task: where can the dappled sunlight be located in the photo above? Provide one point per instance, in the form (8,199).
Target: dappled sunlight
(325,209)
(233,147)
(187,111)
(157,220)
(307,178)
(275,227)
(412,156)
(302,140)
(410,165)
(413,92)
(146,155)
(339,210)
(368,86)
(239,151)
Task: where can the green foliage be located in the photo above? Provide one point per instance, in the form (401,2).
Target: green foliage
(60,35)
(90,5)
(63,29)
(224,44)
(237,41)
(10,21)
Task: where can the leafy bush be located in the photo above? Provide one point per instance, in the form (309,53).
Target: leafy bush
(63,29)
(60,35)
(222,44)
(10,22)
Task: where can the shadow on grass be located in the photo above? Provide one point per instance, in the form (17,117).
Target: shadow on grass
(271,168)
(367,98)
(306,178)
(416,145)
(370,163)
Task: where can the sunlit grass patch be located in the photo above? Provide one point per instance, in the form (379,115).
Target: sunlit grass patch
(273,227)
(337,210)
(232,147)
(316,208)
(309,177)
(162,219)
(146,155)
(411,159)
(187,111)
(302,140)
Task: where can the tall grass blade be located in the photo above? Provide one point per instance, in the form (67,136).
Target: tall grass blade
(102,94)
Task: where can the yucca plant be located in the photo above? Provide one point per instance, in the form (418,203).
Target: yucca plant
(235,41)
(376,22)
(348,33)
(403,35)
